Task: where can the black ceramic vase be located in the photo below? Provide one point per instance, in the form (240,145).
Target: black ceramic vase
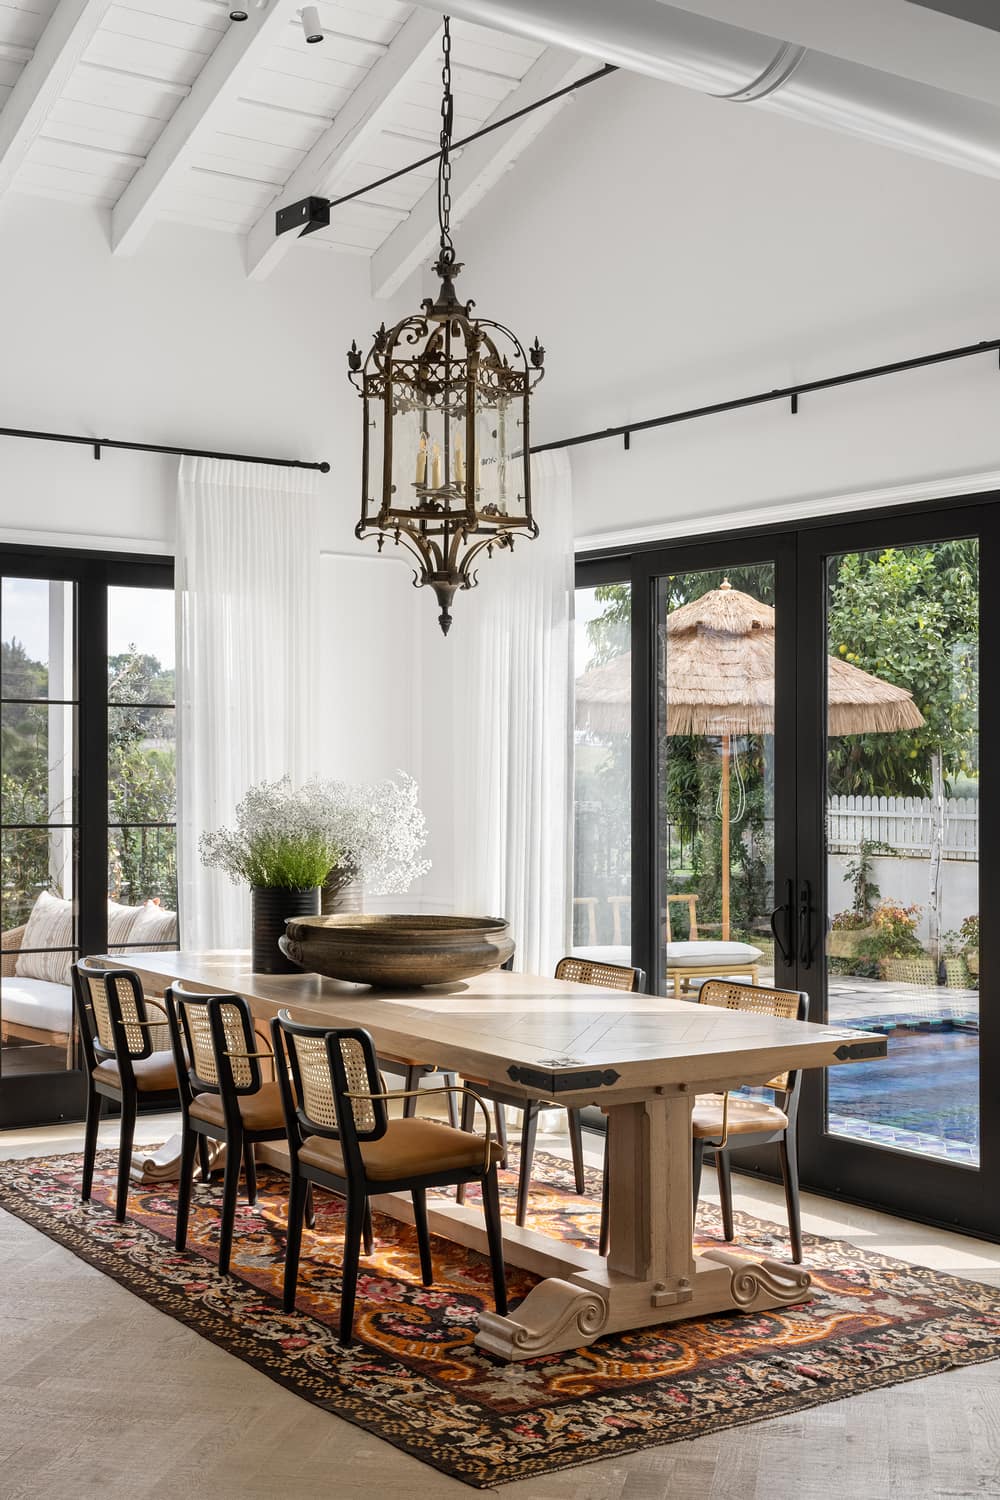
(271,906)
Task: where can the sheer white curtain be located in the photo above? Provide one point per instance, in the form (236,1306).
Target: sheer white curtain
(513,730)
(247,583)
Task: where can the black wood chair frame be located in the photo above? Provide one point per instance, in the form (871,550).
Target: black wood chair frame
(121,1039)
(239,1139)
(787,1100)
(356,1186)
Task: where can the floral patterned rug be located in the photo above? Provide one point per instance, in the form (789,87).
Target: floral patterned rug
(414,1377)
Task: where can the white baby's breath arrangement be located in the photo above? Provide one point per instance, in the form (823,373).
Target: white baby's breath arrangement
(282,839)
(294,837)
(383,831)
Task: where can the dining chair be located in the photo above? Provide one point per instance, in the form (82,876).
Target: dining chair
(575,971)
(722,1122)
(224,1097)
(340,1137)
(117,1039)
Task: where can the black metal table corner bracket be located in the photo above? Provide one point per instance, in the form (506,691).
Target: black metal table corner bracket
(563,1083)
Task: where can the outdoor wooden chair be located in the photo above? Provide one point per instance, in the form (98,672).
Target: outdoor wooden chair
(224,1097)
(117,1039)
(723,1122)
(340,1137)
(576,971)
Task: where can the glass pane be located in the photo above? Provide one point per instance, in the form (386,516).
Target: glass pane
(36,860)
(602,887)
(142,765)
(38,747)
(142,866)
(141,649)
(903,844)
(715,775)
(37,626)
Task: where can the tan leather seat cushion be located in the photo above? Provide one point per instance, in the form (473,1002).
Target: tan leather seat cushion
(260,1111)
(152,1074)
(409,1148)
(746,1116)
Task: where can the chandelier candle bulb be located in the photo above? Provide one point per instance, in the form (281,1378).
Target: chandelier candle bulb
(463,379)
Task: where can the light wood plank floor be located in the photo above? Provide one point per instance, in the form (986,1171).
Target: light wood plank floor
(101,1396)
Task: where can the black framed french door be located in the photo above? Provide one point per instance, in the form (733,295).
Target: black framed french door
(897,859)
(870,836)
(86,795)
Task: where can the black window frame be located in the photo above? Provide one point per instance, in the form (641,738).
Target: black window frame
(40,1098)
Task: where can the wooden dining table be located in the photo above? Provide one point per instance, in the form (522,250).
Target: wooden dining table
(641,1058)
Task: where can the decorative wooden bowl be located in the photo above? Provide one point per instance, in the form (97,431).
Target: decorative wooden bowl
(397,951)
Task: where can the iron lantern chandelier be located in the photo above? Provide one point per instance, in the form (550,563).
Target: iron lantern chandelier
(446,467)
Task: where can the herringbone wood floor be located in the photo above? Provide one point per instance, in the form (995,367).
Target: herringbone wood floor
(101,1396)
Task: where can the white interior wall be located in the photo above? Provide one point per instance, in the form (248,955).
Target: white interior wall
(672,250)
(171,346)
(176,346)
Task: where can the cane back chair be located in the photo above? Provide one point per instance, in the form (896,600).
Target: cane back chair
(575,971)
(224,1097)
(340,1137)
(725,1122)
(117,1035)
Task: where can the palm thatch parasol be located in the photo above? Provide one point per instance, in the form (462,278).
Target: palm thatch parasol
(719,680)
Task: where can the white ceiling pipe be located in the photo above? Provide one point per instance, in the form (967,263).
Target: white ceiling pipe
(742,66)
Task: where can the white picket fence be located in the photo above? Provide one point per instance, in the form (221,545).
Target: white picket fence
(904,823)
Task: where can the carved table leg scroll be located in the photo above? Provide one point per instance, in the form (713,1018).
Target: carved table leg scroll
(652,1274)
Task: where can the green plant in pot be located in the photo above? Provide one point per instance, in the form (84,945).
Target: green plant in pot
(969,933)
(282,847)
(894,946)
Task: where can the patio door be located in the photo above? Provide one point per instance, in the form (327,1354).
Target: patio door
(896,859)
(797,721)
(87,805)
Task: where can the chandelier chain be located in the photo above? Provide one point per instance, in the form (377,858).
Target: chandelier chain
(444,160)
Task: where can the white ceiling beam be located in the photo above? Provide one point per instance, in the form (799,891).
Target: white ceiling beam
(242,49)
(362,118)
(479,167)
(60,48)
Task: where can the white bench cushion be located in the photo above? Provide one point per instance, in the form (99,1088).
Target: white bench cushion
(710,955)
(38,1003)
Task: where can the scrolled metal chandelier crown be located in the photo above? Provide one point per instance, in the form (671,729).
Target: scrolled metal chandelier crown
(446,468)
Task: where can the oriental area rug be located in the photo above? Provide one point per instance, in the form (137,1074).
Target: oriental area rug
(414,1377)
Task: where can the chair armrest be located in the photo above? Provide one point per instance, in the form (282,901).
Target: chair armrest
(446,1088)
(10,947)
(268,1056)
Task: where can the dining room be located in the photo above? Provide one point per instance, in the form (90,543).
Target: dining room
(495,543)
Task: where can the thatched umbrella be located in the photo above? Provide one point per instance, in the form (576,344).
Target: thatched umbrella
(719,660)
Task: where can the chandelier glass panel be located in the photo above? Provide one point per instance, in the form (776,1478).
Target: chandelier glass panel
(446,469)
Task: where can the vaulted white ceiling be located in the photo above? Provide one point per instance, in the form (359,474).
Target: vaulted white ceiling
(167,110)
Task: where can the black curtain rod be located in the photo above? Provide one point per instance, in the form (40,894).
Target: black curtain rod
(98,443)
(789,393)
(313,213)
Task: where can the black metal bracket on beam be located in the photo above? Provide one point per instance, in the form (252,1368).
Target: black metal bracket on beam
(308,215)
(311,214)
(795,403)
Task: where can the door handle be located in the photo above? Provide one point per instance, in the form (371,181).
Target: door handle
(805,925)
(784,942)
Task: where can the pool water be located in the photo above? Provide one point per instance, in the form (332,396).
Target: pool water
(927,1087)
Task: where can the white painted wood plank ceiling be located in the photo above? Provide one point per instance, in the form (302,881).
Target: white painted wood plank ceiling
(166,109)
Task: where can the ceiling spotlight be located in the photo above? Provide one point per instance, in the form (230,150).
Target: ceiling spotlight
(237,13)
(311,23)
